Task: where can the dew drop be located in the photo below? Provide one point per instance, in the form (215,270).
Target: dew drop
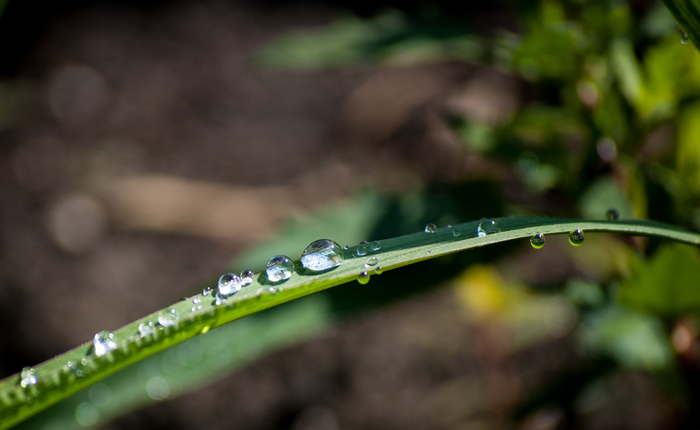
(612,215)
(456,232)
(361,250)
(103,343)
(537,241)
(487,226)
(375,246)
(364,242)
(196,300)
(147,328)
(192,309)
(229,284)
(322,254)
(430,228)
(27,377)
(372,261)
(206,291)
(363,278)
(247,277)
(576,237)
(168,317)
(279,268)
(346,247)
(379,270)
(684,38)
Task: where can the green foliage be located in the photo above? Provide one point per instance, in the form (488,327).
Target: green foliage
(687,13)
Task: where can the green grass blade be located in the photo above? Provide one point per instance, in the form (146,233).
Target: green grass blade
(56,381)
(687,14)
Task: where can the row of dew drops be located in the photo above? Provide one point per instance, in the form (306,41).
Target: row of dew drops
(319,256)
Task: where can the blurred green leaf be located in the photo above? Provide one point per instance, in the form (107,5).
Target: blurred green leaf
(604,194)
(633,339)
(667,285)
(688,152)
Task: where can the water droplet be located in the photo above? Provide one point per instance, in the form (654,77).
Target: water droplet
(375,246)
(379,270)
(192,309)
(346,247)
(168,317)
(456,232)
(361,250)
(364,242)
(229,284)
(537,241)
(103,343)
(247,277)
(196,300)
(363,278)
(487,226)
(279,268)
(322,255)
(147,328)
(430,228)
(612,215)
(576,237)
(206,291)
(219,301)
(372,261)
(684,38)
(199,307)
(27,377)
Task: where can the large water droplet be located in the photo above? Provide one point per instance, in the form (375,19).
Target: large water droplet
(229,284)
(103,343)
(168,317)
(612,215)
(322,254)
(363,278)
(430,228)
(537,241)
(247,277)
(279,268)
(576,237)
(147,328)
(372,261)
(375,246)
(27,377)
(487,226)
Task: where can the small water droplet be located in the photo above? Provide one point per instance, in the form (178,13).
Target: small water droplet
(364,242)
(279,268)
(372,261)
(379,270)
(168,317)
(219,301)
(206,291)
(430,228)
(361,250)
(576,237)
(363,278)
(487,226)
(247,277)
(346,247)
(27,377)
(612,215)
(684,38)
(196,300)
(199,307)
(537,241)
(192,309)
(229,284)
(322,254)
(103,343)
(147,328)
(375,246)
(456,232)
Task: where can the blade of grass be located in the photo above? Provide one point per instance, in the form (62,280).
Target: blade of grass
(687,14)
(57,381)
